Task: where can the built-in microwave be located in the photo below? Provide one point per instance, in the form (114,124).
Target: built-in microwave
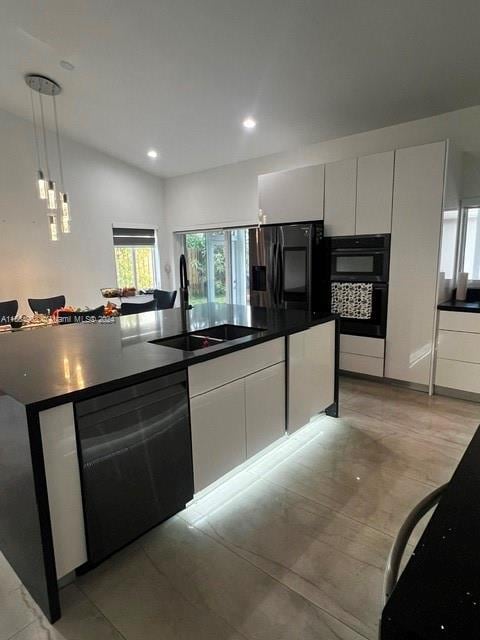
(360,258)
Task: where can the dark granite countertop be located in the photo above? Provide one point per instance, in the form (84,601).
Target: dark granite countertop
(438,594)
(47,366)
(460,305)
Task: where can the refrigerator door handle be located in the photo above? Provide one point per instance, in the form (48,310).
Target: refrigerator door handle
(280,275)
(274,274)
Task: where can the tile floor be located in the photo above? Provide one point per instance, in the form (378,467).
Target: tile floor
(294,547)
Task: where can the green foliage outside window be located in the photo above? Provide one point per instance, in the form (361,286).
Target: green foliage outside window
(125,270)
(144,267)
(135,267)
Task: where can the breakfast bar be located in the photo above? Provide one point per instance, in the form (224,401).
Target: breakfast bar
(107,429)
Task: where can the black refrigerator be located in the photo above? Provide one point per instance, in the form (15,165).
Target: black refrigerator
(288,266)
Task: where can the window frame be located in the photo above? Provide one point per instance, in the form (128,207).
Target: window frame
(157,282)
(181,247)
(465,205)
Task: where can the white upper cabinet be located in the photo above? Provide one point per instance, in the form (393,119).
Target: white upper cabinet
(416,221)
(374,193)
(340,197)
(292,196)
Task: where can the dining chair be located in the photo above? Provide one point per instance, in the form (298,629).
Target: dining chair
(8,310)
(164,299)
(129,308)
(46,305)
(68,317)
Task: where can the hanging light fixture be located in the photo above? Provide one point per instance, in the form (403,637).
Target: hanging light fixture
(46,186)
(64,203)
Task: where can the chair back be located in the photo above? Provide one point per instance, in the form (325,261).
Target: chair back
(67,317)
(46,305)
(8,310)
(129,308)
(164,299)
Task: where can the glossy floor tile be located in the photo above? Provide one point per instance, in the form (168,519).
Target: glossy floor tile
(81,620)
(293,547)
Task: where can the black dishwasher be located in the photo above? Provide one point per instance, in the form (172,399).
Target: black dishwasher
(135,460)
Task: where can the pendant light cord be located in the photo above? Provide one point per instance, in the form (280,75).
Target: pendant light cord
(44,138)
(59,149)
(35,131)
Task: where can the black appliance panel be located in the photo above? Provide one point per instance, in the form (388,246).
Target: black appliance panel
(135,461)
(360,258)
(281,258)
(295,270)
(376,325)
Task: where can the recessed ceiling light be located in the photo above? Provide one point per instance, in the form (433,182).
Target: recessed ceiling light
(152,153)
(249,123)
(65,64)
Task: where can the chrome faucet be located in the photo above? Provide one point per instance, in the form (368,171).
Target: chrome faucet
(184,303)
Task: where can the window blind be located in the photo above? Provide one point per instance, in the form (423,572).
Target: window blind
(133,237)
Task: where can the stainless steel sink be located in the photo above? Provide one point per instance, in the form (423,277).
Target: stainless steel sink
(228,332)
(204,338)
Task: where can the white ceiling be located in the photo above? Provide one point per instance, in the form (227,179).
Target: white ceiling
(180,75)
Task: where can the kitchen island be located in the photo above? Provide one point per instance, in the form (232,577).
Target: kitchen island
(179,420)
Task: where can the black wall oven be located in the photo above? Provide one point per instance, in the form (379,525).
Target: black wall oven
(360,258)
(359,270)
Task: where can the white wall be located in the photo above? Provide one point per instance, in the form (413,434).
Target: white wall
(471,175)
(228,195)
(102,191)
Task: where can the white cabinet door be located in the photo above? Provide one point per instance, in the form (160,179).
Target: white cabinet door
(292,196)
(321,366)
(57,428)
(340,197)
(374,193)
(265,407)
(299,400)
(311,373)
(416,221)
(218,432)
(214,373)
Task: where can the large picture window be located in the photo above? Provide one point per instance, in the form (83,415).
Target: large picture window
(471,252)
(217,265)
(135,258)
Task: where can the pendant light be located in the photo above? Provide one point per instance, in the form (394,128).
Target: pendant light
(46,185)
(64,203)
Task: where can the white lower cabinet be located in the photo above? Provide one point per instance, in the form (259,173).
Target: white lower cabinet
(299,389)
(361,354)
(57,428)
(321,365)
(311,373)
(458,352)
(218,432)
(242,415)
(265,408)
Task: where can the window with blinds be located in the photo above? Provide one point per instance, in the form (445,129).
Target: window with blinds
(135,258)
(133,237)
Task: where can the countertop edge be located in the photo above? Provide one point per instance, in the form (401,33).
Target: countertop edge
(460,307)
(112,385)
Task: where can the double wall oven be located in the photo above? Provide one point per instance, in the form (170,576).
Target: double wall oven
(359,268)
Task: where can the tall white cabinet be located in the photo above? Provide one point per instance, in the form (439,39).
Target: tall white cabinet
(292,196)
(416,227)
(374,193)
(340,197)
